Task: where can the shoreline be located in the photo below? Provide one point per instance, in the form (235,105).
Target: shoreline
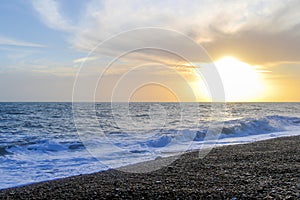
(267,168)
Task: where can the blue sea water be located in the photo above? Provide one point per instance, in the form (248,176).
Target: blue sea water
(44,141)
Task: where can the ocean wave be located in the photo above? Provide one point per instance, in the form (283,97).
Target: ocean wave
(4,152)
(231,128)
(254,126)
(41,146)
(266,124)
(39,141)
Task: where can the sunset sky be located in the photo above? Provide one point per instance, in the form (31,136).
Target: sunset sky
(254,45)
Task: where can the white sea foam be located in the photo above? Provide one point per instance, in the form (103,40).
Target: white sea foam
(38,142)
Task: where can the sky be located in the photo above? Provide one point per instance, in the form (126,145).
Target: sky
(142,50)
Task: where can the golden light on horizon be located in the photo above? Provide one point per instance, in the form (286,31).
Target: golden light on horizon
(241,81)
(153,92)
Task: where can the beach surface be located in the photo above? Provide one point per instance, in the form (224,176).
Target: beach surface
(268,169)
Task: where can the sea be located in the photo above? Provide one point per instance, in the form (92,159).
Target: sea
(46,141)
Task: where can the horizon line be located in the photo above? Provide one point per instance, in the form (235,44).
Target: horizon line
(150,101)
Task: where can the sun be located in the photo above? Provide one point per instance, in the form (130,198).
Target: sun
(241,81)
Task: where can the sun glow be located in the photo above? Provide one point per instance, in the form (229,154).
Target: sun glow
(241,81)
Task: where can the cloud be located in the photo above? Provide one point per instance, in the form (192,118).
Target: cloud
(257,31)
(14,42)
(51,15)
(258,47)
(85,59)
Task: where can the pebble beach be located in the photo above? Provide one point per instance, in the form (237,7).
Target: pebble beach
(267,169)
